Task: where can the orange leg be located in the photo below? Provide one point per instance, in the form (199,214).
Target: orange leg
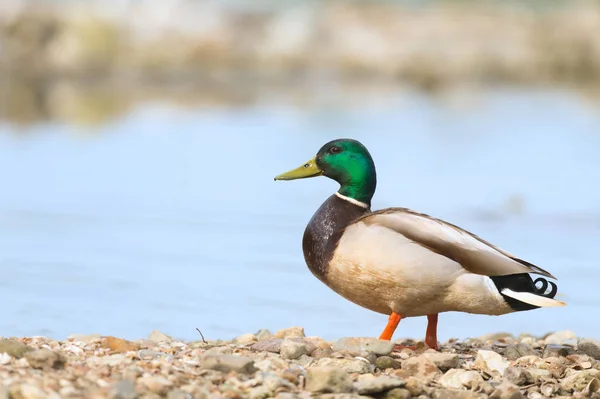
(431,334)
(393,322)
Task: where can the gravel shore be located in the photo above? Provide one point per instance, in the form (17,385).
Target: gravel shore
(289,364)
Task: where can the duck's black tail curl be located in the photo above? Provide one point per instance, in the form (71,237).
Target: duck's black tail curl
(522,293)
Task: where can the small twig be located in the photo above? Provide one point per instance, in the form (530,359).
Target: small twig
(203,340)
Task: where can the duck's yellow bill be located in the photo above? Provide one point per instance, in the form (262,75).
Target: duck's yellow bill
(309,169)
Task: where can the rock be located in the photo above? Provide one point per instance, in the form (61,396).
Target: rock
(292,350)
(358,346)
(150,354)
(45,359)
(556,350)
(26,391)
(321,353)
(516,375)
(327,380)
(246,339)
(342,396)
(591,388)
(14,348)
(414,386)
(460,379)
(536,376)
(507,390)
(227,363)
(590,347)
(263,334)
(370,384)
(124,389)
(420,367)
(118,345)
(491,362)
(578,380)
(274,345)
(320,343)
(4,392)
(386,362)
(157,336)
(291,332)
(348,365)
(397,393)
(514,352)
(86,339)
(560,337)
(179,394)
(444,361)
(496,336)
(156,383)
(452,394)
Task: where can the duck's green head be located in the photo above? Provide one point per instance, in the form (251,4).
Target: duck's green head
(346,161)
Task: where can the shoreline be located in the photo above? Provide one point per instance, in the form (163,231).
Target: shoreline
(288,364)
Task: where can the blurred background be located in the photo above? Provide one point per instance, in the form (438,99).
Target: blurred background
(139,141)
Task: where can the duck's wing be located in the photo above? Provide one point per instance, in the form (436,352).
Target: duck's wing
(473,253)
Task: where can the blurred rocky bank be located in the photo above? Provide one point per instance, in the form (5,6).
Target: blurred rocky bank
(215,52)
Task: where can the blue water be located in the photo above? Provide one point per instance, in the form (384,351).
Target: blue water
(169,218)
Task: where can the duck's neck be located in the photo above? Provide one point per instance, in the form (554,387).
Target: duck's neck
(358,185)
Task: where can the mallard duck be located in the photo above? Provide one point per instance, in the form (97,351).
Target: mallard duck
(402,263)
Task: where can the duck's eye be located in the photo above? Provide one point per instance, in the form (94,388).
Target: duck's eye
(335,149)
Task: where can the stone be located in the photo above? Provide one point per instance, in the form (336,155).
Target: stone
(156,383)
(536,376)
(45,359)
(507,390)
(491,362)
(560,337)
(327,380)
(496,336)
(578,380)
(319,342)
(274,345)
(386,362)
(14,348)
(453,394)
(291,332)
(157,336)
(84,338)
(227,363)
(397,393)
(263,334)
(245,339)
(444,361)
(415,386)
(420,367)
(292,350)
(4,392)
(179,394)
(516,375)
(150,354)
(590,347)
(342,396)
(514,352)
(348,365)
(556,350)
(27,391)
(124,389)
(119,345)
(358,346)
(371,384)
(592,387)
(460,379)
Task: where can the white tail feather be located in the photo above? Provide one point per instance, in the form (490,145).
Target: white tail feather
(532,299)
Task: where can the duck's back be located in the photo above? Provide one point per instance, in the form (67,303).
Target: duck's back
(324,230)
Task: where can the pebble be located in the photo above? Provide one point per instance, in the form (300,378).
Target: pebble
(83,338)
(444,361)
(557,350)
(386,362)
(274,345)
(227,363)
(13,348)
(45,359)
(359,346)
(348,365)
(370,384)
(327,380)
(291,332)
(560,337)
(263,334)
(246,339)
(124,389)
(516,375)
(590,347)
(491,361)
(460,379)
(420,367)
(292,350)
(513,352)
(119,345)
(179,394)
(507,390)
(397,393)
(157,336)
